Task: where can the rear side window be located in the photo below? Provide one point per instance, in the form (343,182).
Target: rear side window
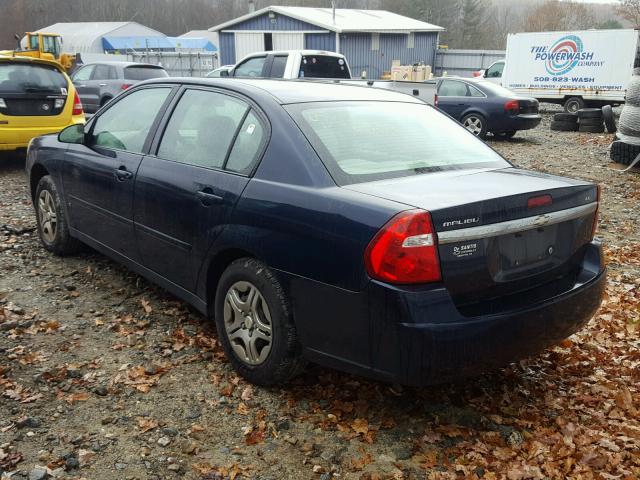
(323,66)
(139,74)
(249,141)
(278,66)
(202,128)
(125,125)
(250,68)
(22,78)
(450,88)
(367,141)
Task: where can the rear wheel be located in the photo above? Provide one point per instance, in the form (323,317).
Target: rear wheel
(573,104)
(104,101)
(476,124)
(53,227)
(255,325)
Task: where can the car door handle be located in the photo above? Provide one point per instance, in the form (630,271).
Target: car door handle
(82,86)
(123,174)
(207,197)
(102,84)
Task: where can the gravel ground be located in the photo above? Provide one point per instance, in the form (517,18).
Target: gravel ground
(105,376)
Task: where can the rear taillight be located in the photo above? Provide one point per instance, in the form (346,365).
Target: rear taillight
(125,86)
(596,214)
(405,250)
(512,106)
(435,100)
(540,201)
(77,105)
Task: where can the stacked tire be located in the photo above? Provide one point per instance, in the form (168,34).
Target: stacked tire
(590,120)
(565,122)
(626,146)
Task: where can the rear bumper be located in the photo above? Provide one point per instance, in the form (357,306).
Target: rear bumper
(519,122)
(418,337)
(14,138)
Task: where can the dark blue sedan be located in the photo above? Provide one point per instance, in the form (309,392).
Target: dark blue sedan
(483,107)
(357,228)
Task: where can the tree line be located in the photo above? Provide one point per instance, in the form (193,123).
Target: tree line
(472,24)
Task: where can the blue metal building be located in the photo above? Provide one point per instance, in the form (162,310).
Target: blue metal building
(370,39)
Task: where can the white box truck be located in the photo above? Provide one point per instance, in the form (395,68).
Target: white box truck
(576,69)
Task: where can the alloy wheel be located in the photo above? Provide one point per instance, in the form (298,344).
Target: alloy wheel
(247,322)
(473,124)
(48,217)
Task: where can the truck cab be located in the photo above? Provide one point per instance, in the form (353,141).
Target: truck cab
(292,64)
(493,74)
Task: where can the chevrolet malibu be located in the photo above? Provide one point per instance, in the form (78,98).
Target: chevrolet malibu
(359,229)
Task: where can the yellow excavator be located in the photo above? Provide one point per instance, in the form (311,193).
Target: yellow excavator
(44,45)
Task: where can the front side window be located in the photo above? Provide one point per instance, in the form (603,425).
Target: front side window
(495,70)
(101,72)
(450,88)
(16,77)
(51,45)
(251,68)
(125,125)
(368,141)
(83,74)
(202,128)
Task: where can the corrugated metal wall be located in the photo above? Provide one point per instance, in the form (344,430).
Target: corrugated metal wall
(357,48)
(263,22)
(320,41)
(227,48)
(464,62)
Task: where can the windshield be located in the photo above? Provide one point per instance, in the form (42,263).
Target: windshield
(368,141)
(323,66)
(144,73)
(23,78)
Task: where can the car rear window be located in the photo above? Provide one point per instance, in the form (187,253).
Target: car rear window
(323,66)
(143,73)
(32,78)
(368,141)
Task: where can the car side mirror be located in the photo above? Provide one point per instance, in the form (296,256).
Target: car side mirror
(72,134)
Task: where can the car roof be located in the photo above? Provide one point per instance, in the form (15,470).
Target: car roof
(21,59)
(122,64)
(296,91)
(289,52)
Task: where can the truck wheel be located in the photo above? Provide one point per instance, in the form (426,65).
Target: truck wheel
(476,124)
(255,324)
(609,120)
(53,227)
(590,113)
(573,104)
(590,122)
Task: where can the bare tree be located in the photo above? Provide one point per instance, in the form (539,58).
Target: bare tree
(630,10)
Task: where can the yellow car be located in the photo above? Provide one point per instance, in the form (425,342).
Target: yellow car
(36,97)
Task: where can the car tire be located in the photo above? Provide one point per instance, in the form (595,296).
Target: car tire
(624,153)
(591,122)
(51,220)
(590,113)
(258,336)
(565,117)
(476,124)
(564,126)
(609,120)
(573,104)
(591,128)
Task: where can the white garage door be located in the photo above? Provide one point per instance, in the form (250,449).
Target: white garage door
(288,41)
(247,43)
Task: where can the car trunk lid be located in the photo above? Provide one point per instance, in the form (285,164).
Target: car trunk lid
(500,232)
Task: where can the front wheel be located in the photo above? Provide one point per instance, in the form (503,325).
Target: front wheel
(476,124)
(255,325)
(573,104)
(53,227)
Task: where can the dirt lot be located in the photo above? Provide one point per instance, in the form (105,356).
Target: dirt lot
(104,376)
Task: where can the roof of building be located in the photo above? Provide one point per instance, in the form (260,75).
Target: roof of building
(74,33)
(136,43)
(346,20)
